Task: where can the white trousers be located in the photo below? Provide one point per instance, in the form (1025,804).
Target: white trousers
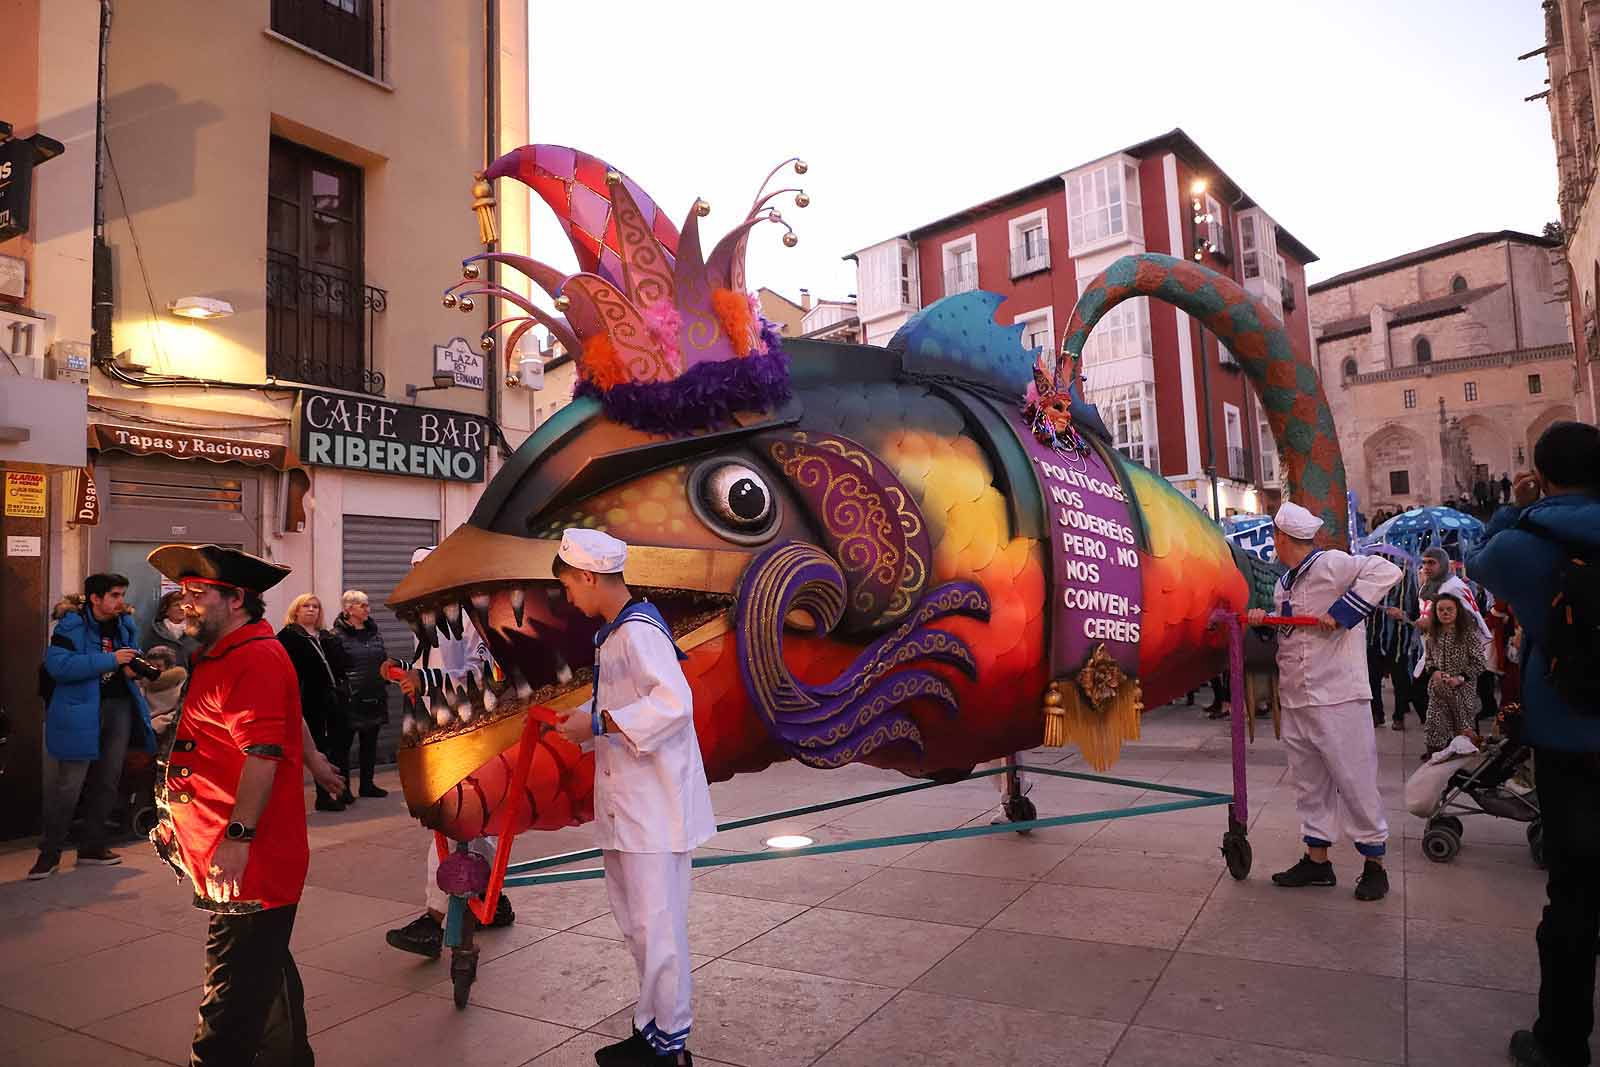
(438,899)
(1333,760)
(649,894)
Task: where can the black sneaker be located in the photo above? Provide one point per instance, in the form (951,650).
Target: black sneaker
(503,915)
(48,863)
(1525,1051)
(632,1050)
(1306,872)
(1398,724)
(327,803)
(98,857)
(422,936)
(347,798)
(1373,883)
(370,790)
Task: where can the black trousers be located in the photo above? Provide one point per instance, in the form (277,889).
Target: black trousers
(253,1007)
(339,738)
(1569,796)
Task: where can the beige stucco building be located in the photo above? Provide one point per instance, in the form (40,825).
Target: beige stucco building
(298,176)
(1572,32)
(1443,366)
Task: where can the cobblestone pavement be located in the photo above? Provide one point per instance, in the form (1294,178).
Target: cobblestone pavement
(1118,942)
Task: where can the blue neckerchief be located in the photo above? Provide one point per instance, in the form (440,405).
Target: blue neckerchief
(639,610)
(1287,582)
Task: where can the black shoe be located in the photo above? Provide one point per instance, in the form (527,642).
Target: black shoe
(1373,883)
(422,935)
(98,857)
(503,915)
(1306,872)
(327,803)
(1398,724)
(635,1049)
(48,863)
(370,790)
(1525,1051)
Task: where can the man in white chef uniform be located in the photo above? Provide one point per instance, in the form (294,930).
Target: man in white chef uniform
(436,681)
(1327,700)
(652,806)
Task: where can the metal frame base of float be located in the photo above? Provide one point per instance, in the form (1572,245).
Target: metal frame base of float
(465,915)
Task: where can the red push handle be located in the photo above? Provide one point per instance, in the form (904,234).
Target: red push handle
(1286,620)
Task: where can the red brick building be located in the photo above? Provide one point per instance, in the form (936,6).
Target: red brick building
(1155,374)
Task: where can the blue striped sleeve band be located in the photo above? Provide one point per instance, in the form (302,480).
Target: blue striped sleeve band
(1350,609)
(662,1042)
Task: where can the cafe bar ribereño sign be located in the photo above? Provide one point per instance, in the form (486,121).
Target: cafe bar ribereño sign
(367,434)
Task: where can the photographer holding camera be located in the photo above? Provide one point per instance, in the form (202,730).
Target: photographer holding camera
(95,711)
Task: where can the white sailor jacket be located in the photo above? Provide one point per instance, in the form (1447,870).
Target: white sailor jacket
(650,791)
(1317,668)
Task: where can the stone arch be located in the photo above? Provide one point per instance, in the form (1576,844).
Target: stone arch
(1553,414)
(1491,445)
(1350,368)
(1391,449)
(1458,284)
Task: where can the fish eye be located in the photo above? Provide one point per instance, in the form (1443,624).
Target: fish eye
(734,500)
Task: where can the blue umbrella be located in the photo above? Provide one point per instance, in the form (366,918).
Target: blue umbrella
(1404,538)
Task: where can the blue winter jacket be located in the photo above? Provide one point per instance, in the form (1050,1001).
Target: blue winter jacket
(1524,568)
(72,722)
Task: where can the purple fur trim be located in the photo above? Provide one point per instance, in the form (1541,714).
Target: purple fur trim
(704,396)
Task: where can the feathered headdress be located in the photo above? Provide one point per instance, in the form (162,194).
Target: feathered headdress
(1048,408)
(666,338)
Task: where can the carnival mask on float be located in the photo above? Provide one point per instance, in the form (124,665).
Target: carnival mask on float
(859,548)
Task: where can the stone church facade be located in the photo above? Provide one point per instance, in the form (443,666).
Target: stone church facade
(1443,366)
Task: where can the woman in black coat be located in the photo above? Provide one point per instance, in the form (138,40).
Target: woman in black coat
(319,664)
(367,701)
(169,629)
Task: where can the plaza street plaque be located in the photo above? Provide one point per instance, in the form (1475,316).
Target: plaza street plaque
(363,434)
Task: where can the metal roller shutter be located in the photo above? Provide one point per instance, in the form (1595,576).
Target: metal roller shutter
(377,555)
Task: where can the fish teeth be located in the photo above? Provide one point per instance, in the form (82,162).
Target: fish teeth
(429,618)
(519,600)
(520,683)
(489,699)
(423,640)
(441,711)
(409,727)
(563,670)
(452,620)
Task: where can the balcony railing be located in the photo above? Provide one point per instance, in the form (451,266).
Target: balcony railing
(961,279)
(342,30)
(1511,357)
(1239,463)
(320,327)
(1025,260)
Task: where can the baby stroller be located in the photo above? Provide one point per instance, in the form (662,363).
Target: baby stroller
(1477,785)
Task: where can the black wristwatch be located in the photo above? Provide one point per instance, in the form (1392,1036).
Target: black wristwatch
(238,831)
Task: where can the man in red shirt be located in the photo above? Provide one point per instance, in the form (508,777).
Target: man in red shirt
(233,817)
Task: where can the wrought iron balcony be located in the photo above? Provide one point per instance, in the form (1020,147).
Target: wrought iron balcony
(320,327)
(961,279)
(1025,260)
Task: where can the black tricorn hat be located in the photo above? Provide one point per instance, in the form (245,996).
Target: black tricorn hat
(213,563)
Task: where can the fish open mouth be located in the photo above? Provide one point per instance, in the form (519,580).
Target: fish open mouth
(544,647)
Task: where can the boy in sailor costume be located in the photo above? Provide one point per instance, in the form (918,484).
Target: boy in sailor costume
(652,806)
(1327,701)
(435,680)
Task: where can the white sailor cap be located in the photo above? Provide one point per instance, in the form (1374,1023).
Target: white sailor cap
(1296,521)
(591,550)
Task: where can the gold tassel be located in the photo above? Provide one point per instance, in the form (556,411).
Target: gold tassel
(1055,719)
(483,204)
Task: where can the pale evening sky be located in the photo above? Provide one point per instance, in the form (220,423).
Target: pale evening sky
(1366,128)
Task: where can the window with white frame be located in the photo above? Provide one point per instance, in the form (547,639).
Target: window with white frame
(1268,448)
(908,277)
(961,265)
(1129,412)
(1038,329)
(1258,248)
(1122,332)
(1216,229)
(1030,244)
(1103,203)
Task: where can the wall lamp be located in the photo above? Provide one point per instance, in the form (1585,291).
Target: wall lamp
(200,307)
(441,380)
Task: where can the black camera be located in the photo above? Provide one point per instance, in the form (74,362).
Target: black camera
(144,668)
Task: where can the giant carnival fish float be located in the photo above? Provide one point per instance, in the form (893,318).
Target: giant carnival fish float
(921,557)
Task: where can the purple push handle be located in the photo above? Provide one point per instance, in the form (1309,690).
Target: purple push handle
(1239,810)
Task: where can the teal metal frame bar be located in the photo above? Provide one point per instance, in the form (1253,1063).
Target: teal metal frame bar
(522,874)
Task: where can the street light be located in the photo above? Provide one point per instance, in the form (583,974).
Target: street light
(441,380)
(200,307)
